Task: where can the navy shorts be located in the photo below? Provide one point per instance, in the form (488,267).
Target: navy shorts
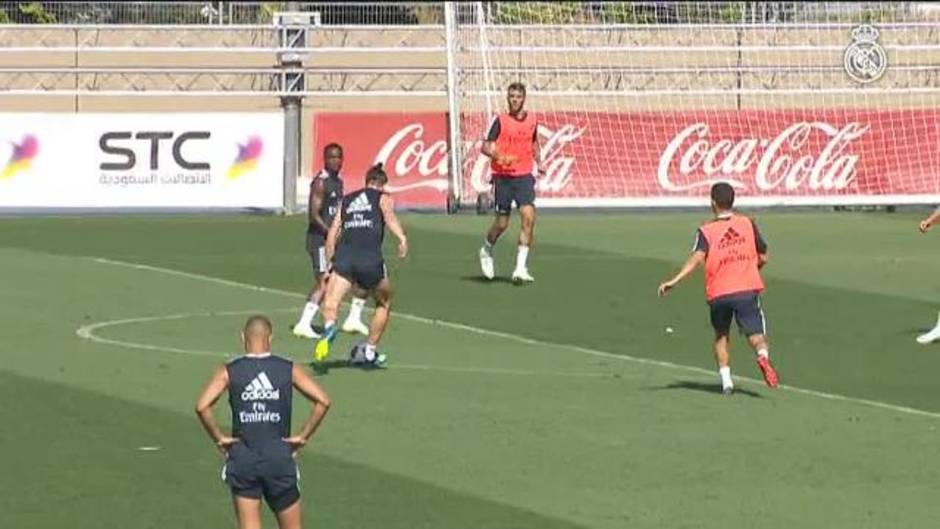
(268,472)
(744,307)
(509,189)
(367,273)
(316,248)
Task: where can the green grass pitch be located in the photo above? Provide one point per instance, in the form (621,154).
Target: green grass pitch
(563,404)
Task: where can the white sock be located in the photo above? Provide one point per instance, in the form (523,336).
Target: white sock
(487,245)
(763,352)
(370,352)
(725,374)
(522,257)
(355,309)
(310,310)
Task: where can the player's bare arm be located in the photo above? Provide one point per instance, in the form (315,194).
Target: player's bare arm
(305,384)
(210,395)
(315,202)
(697,258)
(537,151)
(489,150)
(929,221)
(762,259)
(333,236)
(387,204)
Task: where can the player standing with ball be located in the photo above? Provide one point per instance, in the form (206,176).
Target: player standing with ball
(354,245)
(733,252)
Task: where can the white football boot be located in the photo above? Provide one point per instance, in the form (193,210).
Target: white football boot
(304,331)
(931,335)
(486,263)
(355,326)
(522,276)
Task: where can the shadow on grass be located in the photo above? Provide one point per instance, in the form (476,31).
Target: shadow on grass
(484,281)
(689,385)
(323,368)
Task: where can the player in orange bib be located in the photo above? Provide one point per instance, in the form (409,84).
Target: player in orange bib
(733,251)
(513,147)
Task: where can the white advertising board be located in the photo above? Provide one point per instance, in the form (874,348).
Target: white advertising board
(165,160)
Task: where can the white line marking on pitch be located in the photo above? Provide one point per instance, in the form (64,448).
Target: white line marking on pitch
(88,332)
(530,341)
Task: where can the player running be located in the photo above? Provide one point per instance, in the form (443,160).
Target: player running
(260,453)
(733,251)
(354,245)
(933,334)
(512,145)
(326,191)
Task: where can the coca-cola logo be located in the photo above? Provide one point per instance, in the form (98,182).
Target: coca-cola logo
(805,155)
(406,151)
(415,161)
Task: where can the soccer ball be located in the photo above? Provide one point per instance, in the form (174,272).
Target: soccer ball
(357,355)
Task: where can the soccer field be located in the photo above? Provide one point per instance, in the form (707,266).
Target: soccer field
(562,404)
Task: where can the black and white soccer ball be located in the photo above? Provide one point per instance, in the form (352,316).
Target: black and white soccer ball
(357,355)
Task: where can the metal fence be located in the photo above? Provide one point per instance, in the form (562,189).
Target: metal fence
(174,13)
(424,13)
(665,13)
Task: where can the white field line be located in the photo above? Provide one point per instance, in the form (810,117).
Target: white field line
(88,332)
(530,341)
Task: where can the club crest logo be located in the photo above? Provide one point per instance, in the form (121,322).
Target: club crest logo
(865,60)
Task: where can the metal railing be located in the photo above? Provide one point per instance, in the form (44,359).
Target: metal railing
(229,82)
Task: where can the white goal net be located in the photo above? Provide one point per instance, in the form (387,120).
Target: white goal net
(648,104)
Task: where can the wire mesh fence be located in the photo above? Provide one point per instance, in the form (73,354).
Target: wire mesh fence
(331,13)
(432,13)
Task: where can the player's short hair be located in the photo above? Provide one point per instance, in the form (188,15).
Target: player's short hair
(376,175)
(723,195)
(332,146)
(517,87)
(258,324)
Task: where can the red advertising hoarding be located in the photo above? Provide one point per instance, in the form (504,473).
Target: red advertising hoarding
(813,156)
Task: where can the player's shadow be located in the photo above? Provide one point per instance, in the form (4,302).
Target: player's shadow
(323,368)
(690,385)
(484,281)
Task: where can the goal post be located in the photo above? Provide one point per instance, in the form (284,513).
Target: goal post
(644,104)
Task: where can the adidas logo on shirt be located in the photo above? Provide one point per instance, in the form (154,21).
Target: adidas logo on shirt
(730,237)
(359,204)
(260,388)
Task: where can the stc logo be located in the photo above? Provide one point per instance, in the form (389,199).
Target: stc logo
(118,145)
(22,157)
(248,156)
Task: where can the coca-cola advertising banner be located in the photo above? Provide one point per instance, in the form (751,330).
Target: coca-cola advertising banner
(412,146)
(818,156)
